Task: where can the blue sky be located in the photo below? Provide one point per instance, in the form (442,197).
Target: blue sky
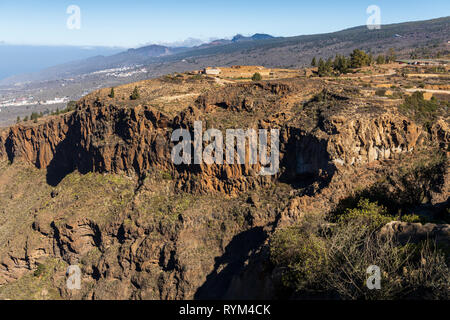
(132,23)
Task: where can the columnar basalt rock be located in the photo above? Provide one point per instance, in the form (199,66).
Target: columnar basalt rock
(152,242)
(107,138)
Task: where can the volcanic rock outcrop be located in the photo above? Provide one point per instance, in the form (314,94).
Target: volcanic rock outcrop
(142,227)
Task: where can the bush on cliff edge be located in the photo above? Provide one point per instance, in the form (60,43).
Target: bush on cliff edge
(331,259)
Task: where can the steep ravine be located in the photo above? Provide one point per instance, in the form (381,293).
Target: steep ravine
(147,229)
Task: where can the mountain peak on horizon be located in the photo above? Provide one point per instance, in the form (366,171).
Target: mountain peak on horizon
(256,36)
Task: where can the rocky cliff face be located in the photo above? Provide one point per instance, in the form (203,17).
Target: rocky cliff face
(161,231)
(106,138)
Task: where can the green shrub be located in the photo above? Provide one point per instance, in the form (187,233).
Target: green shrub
(71,106)
(302,253)
(166,175)
(381,59)
(331,259)
(413,218)
(369,214)
(421,110)
(257,77)
(39,270)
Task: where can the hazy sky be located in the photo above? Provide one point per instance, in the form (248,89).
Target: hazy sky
(132,23)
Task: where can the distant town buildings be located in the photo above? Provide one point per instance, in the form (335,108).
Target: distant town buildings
(212,71)
(17,102)
(424,62)
(55,101)
(122,72)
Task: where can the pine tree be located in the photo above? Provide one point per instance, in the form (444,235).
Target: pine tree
(329,65)
(392,55)
(34,116)
(381,59)
(18,119)
(370,59)
(135,95)
(359,59)
(111,94)
(314,62)
(321,67)
(321,62)
(325,68)
(341,64)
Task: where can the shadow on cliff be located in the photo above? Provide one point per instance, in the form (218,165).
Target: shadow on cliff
(63,159)
(70,155)
(61,165)
(66,158)
(418,190)
(9,147)
(234,259)
(306,161)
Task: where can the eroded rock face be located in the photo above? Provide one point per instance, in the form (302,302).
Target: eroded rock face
(35,144)
(104,138)
(368,140)
(406,232)
(156,244)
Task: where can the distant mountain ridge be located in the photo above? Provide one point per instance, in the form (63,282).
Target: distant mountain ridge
(153,50)
(259,49)
(256,36)
(17,59)
(236,38)
(129,57)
